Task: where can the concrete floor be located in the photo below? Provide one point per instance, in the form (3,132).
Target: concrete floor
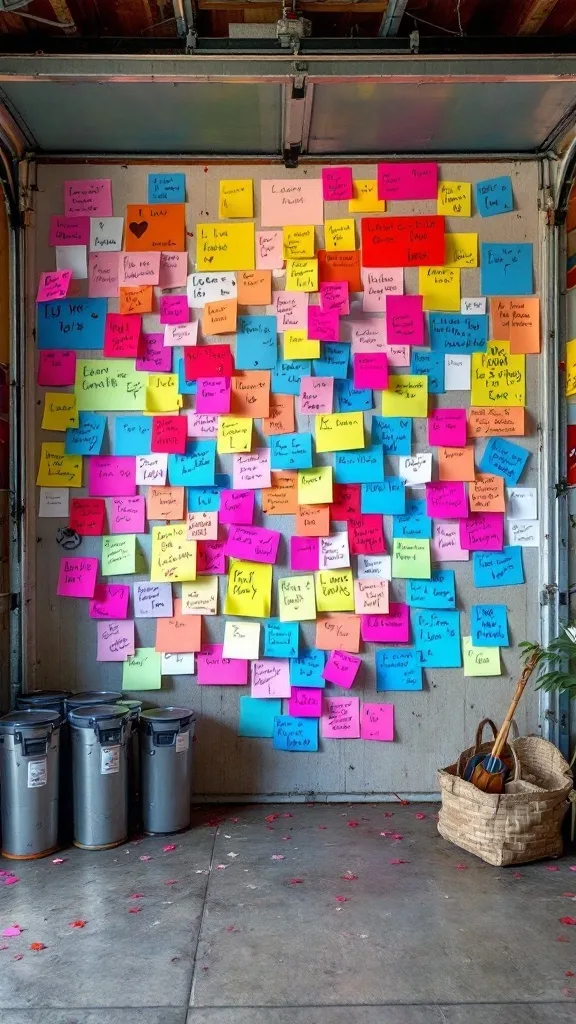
(252,919)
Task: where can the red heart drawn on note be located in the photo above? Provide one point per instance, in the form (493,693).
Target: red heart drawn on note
(138,227)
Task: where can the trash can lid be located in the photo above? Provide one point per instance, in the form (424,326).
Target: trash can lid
(29,718)
(134,707)
(88,717)
(41,698)
(91,697)
(163,716)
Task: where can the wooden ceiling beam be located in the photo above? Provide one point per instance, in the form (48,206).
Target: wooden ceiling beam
(527,17)
(319,6)
(63,16)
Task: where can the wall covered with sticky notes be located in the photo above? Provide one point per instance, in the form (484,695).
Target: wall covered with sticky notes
(288,418)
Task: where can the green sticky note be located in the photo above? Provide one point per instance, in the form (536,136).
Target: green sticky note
(109,385)
(119,554)
(411,559)
(143,671)
(480,661)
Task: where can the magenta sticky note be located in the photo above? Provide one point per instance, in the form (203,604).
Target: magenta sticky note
(111,476)
(377,722)
(270,677)
(53,285)
(407,180)
(404,320)
(335,297)
(252,543)
(202,424)
(153,355)
(446,501)
(214,670)
(447,428)
(341,718)
(393,628)
(210,558)
(128,515)
(115,640)
(173,269)
(445,545)
(236,507)
(482,531)
(316,395)
(90,197)
(251,471)
(371,370)
(103,275)
(291,310)
(305,702)
(77,577)
(305,554)
(323,326)
(341,668)
(337,183)
(110,601)
(174,309)
(56,368)
(69,230)
(213,394)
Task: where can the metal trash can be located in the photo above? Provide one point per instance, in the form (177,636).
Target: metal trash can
(41,700)
(55,700)
(100,775)
(29,767)
(166,756)
(134,811)
(92,698)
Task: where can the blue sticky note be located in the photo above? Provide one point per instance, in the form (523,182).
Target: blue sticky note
(291,451)
(489,625)
(504,458)
(167,188)
(437,592)
(195,468)
(257,716)
(398,668)
(256,343)
(414,523)
(394,433)
(71,323)
(386,497)
(458,333)
(132,435)
(494,196)
(431,364)
(280,639)
(506,269)
(498,568)
(437,637)
(287,375)
(307,669)
(347,398)
(298,734)
(87,437)
(185,387)
(207,499)
(334,359)
(361,467)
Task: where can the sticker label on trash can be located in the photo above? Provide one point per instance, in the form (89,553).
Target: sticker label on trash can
(37,773)
(182,741)
(109,760)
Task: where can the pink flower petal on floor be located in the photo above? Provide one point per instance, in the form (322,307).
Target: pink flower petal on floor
(6,946)
(37,947)
(296,881)
(570,895)
(278,856)
(461,867)
(221,867)
(60,860)
(388,814)
(171,881)
(136,896)
(353,824)
(323,827)
(77,924)
(567,920)
(569,974)
(12,931)
(396,835)
(169,848)
(570,993)
(398,862)
(18,956)
(348,877)
(134,910)
(145,856)
(551,867)
(562,938)
(342,899)
(286,838)
(517,875)
(271,817)
(572,867)
(420,816)
(287,815)
(11,880)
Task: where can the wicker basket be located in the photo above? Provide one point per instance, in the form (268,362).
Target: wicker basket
(513,827)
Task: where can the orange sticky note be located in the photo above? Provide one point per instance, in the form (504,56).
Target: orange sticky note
(486,494)
(524,326)
(500,319)
(155,227)
(165,503)
(456,463)
(281,416)
(179,635)
(313,521)
(496,421)
(220,317)
(281,499)
(250,393)
(136,300)
(338,633)
(254,287)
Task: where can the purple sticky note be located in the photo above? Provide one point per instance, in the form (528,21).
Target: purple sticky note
(214,670)
(174,309)
(213,394)
(77,577)
(323,326)
(270,677)
(447,428)
(482,531)
(236,507)
(377,722)
(341,718)
(253,544)
(305,554)
(337,185)
(128,515)
(341,668)
(393,628)
(69,230)
(446,501)
(404,320)
(112,476)
(371,370)
(334,297)
(153,355)
(115,640)
(57,368)
(110,601)
(305,702)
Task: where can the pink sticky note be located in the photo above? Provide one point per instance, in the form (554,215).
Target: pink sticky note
(251,471)
(173,269)
(377,722)
(341,668)
(115,640)
(269,251)
(213,394)
(445,546)
(236,507)
(214,670)
(393,628)
(341,718)
(210,558)
(121,335)
(69,230)
(337,183)
(379,282)
(53,285)
(305,554)
(90,197)
(323,326)
(110,601)
(174,309)
(202,424)
(103,275)
(371,370)
(334,297)
(368,335)
(448,428)
(77,577)
(291,201)
(404,320)
(270,677)
(181,334)
(316,395)
(305,702)
(407,180)
(446,501)
(253,544)
(291,310)
(153,355)
(56,368)
(482,531)
(128,515)
(138,269)
(112,476)
(398,355)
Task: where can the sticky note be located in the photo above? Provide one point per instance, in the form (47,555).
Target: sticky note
(249,589)
(406,180)
(498,378)
(455,332)
(431,364)
(315,485)
(489,625)
(253,543)
(447,427)
(407,395)
(334,297)
(570,368)
(291,451)
(256,344)
(410,558)
(333,362)
(521,503)
(269,250)
(296,599)
(415,469)
(394,433)
(201,596)
(211,558)
(340,266)
(377,722)
(333,552)
(165,503)
(71,324)
(340,235)
(414,522)
(291,201)
(306,670)
(77,577)
(71,260)
(298,242)
(241,640)
(56,368)
(305,554)
(202,526)
(335,591)
(504,458)
(524,326)
(440,287)
(384,497)
(196,467)
(216,670)
(254,287)
(457,372)
(105,235)
(526,533)
(337,183)
(340,632)
(391,628)
(302,275)
(371,370)
(88,197)
(494,196)
(69,230)
(127,514)
(177,664)
(398,669)
(219,317)
(312,521)
(155,228)
(339,432)
(53,285)
(113,386)
(281,498)
(295,734)
(280,639)
(446,545)
(498,568)
(341,718)
(480,661)
(281,416)
(236,198)
(110,601)
(446,500)
(437,637)
(225,246)
(365,197)
(270,678)
(153,600)
(153,355)
(234,435)
(342,668)
(180,633)
(252,471)
(482,531)
(291,309)
(371,597)
(119,555)
(461,250)
(59,411)
(457,464)
(506,269)
(110,475)
(287,374)
(257,717)
(437,592)
(167,188)
(347,398)
(455,198)
(173,555)
(211,287)
(87,516)
(142,670)
(305,702)
(250,394)
(151,470)
(404,320)
(53,503)
(507,421)
(359,467)
(56,468)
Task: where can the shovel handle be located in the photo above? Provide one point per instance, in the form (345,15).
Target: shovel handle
(520,687)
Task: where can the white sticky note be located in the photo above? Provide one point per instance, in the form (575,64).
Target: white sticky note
(177,665)
(106,234)
(74,258)
(473,307)
(54,503)
(151,470)
(524,533)
(457,373)
(334,552)
(202,288)
(378,567)
(521,503)
(415,469)
(241,640)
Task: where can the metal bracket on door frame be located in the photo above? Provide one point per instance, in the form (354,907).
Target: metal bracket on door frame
(298,98)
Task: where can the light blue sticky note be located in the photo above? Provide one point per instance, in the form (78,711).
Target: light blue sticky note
(386,497)
(506,269)
(361,467)
(291,451)
(437,637)
(498,568)
(256,343)
(489,625)
(195,468)
(414,523)
(394,433)
(87,437)
(167,188)
(207,499)
(296,734)
(185,387)
(334,359)
(280,639)
(71,323)
(437,592)
(287,374)
(431,364)
(494,196)
(257,716)
(132,435)
(307,669)
(504,458)
(398,668)
(457,332)
(347,398)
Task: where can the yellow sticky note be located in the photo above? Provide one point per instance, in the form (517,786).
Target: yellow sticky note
(298,242)
(173,555)
(234,435)
(455,198)
(480,661)
(249,589)
(497,378)
(571,368)
(339,432)
(297,345)
(57,469)
(162,393)
(296,600)
(366,197)
(407,395)
(201,596)
(236,198)
(340,235)
(60,411)
(109,385)
(461,250)
(315,486)
(335,590)
(410,559)
(225,247)
(301,275)
(440,288)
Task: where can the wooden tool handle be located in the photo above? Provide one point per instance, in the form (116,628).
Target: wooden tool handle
(520,686)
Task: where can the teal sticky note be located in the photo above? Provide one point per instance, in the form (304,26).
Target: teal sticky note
(207,499)
(256,343)
(489,625)
(386,497)
(458,332)
(257,716)
(437,592)
(295,734)
(347,398)
(280,639)
(185,387)
(431,364)
(334,359)
(437,637)
(307,669)
(87,437)
(287,374)
(398,668)
(414,524)
(195,468)
(498,568)
(506,268)
(504,458)
(365,466)
(71,323)
(291,451)
(167,188)
(394,433)
(494,196)
(132,435)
